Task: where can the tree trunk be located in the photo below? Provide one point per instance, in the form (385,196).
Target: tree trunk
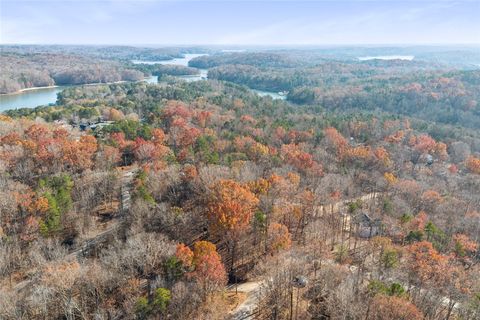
(451,305)
(291,304)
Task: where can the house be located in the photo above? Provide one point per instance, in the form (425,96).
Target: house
(364,226)
(93,126)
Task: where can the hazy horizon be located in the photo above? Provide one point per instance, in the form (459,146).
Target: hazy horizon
(227,46)
(241,23)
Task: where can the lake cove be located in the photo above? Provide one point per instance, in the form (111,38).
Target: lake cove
(34,97)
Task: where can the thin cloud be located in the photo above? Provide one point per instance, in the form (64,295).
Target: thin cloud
(244,22)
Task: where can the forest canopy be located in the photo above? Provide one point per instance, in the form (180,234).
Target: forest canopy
(20,71)
(354,198)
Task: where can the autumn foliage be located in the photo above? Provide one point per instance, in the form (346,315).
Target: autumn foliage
(336,140)
(170,195)
(427,264)
(279,237)
(231,207)
(184,255)
(473,164)
(391,307)
(204,263)
(51,147)
(295,156)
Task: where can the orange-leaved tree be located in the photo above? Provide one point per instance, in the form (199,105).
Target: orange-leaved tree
(209,270)
(230,210)
(391,307)
(336,141)
(279,237)
(473,164)
(185,255)
(204,263)
(231,207)
(427,266)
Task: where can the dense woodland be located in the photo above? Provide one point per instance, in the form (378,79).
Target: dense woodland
(107,52)
(152,201)
(259,59)
(165,69)
(423,89)
(27,66)
(47,69)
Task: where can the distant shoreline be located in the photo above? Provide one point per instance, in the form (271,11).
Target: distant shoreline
(66,85)
(28,89)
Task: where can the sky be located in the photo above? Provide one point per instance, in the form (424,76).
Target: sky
(268,22)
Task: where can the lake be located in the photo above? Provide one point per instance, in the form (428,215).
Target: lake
(274,95)
(177,61)
(32,98)
(44,96)
(29,98)
(203,73)
(409,58)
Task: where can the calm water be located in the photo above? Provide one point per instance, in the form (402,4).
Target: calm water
(46,96)
(177,61)
(274,95)
(29,99)
(204,72)
(39,97)
(409,58)
(180,62)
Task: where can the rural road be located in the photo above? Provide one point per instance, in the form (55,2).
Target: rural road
(246,308)
(126,187)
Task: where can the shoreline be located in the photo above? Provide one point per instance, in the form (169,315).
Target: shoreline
(115,82)
(28,89)
(65,86)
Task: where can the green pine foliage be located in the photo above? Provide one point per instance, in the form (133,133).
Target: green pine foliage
(57,191)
